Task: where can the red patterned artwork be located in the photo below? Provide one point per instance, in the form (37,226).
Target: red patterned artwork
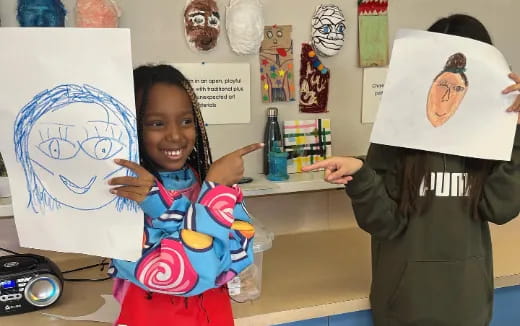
(314,82)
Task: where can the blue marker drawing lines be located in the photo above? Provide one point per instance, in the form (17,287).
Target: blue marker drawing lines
(63,138)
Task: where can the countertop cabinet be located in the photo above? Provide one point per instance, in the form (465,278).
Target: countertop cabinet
(504,313)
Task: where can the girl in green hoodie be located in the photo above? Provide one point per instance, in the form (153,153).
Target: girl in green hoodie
(431,248)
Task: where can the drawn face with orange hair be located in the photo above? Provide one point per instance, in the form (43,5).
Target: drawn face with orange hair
(447,91)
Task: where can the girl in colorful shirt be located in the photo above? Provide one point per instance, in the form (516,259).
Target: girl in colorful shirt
(197,233)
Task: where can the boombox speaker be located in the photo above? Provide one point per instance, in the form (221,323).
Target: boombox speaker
(28,282)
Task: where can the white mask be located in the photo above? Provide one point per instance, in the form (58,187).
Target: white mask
(328,29)
(245,26)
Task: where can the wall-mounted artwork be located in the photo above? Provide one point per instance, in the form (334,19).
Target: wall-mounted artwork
(41,13)
(306,142)
(63,127)
(373,33)
(202,24)
(314,82)
(443,93)
(245,26)
(97,13)
(328,29)
(276,64)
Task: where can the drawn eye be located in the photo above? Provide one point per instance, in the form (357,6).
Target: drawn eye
(213,21)
(341,28)
(198,19)
(458,88)
(325,29)
(101,148)
(279,33)
(269,34)
(58,148)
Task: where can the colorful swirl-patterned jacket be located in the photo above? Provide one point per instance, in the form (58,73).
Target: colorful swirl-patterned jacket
(195,238)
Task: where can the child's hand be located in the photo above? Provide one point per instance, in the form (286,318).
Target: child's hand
(228,169)
(134,188)
(338,169)
(515,107)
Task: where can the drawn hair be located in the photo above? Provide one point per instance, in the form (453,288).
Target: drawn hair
(415,163)
(456,64)
(145,77)
(51,101)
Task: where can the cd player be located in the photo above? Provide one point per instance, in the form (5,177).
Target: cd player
(28,282)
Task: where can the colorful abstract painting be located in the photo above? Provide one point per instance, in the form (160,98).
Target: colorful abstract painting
(314,82)
(373,33)
(276,64)
(306,142)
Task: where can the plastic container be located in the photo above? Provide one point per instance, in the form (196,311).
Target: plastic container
(247,285)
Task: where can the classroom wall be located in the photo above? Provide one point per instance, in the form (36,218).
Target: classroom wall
(158,36)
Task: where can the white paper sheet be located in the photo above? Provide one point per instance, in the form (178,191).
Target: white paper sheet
(223,90)
(67,111)
(373,84)
(480,127)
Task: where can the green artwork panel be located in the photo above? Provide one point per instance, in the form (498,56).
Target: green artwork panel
(373,41)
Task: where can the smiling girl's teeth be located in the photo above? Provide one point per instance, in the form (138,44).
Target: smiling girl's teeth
(172,153)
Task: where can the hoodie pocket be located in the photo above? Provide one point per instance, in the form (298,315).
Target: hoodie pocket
(443,293)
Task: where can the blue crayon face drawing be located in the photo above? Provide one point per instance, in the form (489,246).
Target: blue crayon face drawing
(64,138)
(41,13)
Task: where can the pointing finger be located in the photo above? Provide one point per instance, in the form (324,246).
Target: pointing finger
(325,164)
(250,148)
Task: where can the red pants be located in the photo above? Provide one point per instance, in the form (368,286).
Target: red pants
(141,308)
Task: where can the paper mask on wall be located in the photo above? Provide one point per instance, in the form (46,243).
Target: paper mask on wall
(373,33)
(447,91)
(97,13)
(307,142)
(276,64)
(202,24)
(328,29)
(245,26)
(41,13)
(314,82)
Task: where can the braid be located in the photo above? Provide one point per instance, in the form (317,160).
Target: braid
(200,158)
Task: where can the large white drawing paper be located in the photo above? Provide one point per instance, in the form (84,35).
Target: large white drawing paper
(68,111)
(443,94)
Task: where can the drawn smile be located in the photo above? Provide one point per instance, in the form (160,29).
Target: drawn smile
(75,188)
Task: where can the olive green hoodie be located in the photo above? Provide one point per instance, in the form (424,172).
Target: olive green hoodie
(435,268)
